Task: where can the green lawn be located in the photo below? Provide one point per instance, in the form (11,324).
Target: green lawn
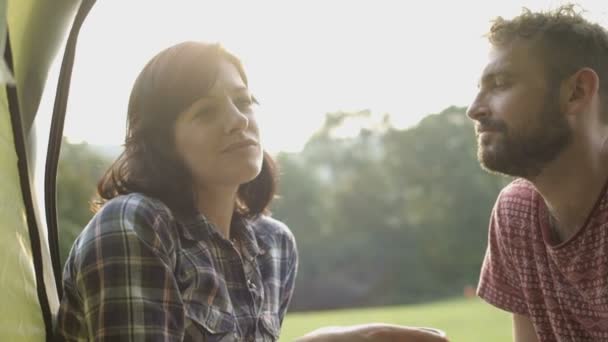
(467,320)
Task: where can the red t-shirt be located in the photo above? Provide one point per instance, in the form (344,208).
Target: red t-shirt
(563,287)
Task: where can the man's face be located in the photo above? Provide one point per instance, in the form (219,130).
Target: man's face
(518,121)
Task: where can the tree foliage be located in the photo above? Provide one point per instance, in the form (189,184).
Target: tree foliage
(80,167)
(388,216)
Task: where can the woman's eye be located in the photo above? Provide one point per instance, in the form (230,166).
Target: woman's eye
(244,103)
(205,112)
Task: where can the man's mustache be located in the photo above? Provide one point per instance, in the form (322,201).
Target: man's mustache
(490,125)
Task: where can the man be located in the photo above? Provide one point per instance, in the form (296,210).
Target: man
(541,115)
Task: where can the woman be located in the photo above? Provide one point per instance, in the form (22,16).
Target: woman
(182,248)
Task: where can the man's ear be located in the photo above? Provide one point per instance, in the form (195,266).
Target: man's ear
(579,90)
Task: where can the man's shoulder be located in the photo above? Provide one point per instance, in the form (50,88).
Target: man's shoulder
(519,190)
(517,204)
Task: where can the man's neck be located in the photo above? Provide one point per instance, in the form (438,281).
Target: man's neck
(571,185)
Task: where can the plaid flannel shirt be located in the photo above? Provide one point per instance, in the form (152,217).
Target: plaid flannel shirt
(136,273)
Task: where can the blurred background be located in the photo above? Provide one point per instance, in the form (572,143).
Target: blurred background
(363,105)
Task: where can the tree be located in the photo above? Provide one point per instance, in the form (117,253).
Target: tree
(80,167)
(387,215)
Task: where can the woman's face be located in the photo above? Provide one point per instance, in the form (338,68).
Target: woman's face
(217,137)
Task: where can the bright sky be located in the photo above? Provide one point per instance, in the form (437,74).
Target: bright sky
(303,58)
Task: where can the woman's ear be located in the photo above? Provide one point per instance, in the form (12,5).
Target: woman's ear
(579,90)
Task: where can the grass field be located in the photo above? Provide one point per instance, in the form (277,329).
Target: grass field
(464,320)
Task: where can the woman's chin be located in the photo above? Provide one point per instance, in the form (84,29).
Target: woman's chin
(244,174)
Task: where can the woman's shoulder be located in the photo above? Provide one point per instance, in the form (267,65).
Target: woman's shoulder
(134,204)
(134,211)
(135,214)
(274,234)
(128,229)
(267,225)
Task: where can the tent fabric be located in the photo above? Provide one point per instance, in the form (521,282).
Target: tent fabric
(28,292)
(56,137)
(21,317)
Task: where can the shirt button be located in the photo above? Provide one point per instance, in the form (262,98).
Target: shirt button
(251,284)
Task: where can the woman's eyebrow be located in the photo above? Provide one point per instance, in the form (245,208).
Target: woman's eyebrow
(201,102)
(211,97)
(239,90)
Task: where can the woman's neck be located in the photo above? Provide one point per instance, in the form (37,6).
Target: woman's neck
(217,204)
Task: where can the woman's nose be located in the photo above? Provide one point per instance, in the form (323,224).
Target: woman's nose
(236,120)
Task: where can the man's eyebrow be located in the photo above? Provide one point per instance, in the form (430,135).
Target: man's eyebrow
(487,77)
(493,73)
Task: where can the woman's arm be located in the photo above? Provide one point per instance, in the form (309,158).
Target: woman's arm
(290,278)
(375,332)
(119,284)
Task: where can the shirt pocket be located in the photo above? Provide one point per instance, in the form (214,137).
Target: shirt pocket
(271,325)
(210,323)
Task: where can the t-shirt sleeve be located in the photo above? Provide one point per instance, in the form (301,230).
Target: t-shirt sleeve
(499,283)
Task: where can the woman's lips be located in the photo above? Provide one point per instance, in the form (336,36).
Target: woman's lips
(240,145)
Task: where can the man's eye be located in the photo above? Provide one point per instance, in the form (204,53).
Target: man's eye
(500,81)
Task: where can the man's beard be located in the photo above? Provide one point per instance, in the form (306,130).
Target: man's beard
(525,151)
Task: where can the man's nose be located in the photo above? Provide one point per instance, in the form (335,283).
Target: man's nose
(478,109)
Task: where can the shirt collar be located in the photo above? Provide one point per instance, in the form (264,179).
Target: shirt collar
(245,231)
(198,228)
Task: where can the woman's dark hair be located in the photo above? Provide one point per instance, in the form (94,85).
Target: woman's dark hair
(167,85)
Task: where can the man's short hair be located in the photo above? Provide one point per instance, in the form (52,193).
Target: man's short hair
(563,39)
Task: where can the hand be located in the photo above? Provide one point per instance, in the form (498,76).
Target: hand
(375,332)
